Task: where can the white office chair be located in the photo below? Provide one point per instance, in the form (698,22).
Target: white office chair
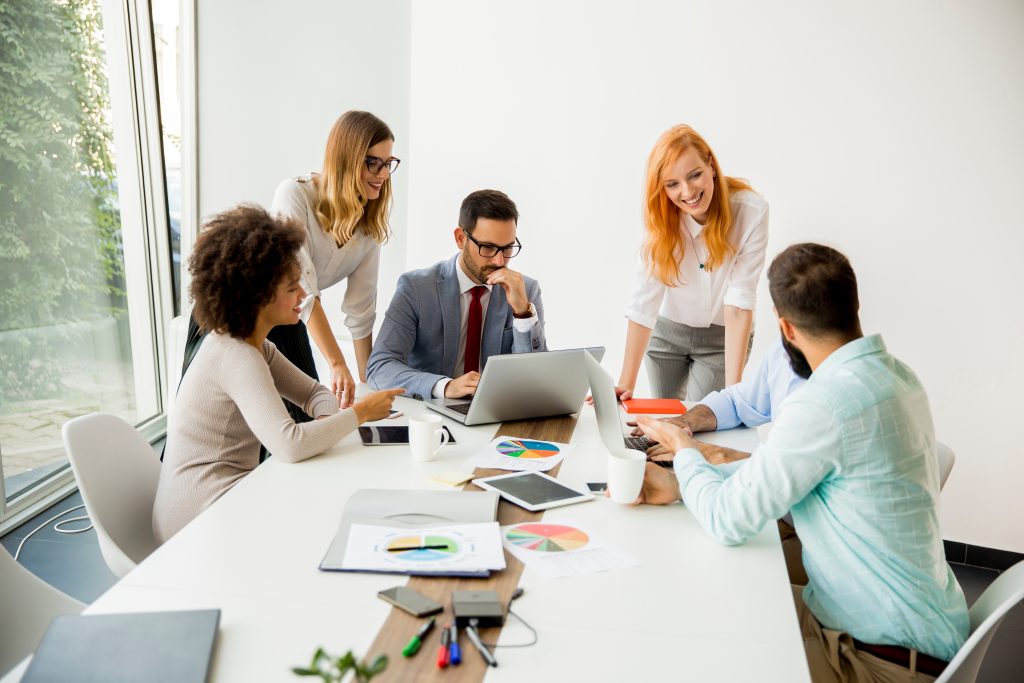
(27,605)
(986,615)
(117,473)
(946,461)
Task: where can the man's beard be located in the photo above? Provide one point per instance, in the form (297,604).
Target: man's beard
(797,359)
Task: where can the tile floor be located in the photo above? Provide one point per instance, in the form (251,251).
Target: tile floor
(73,564)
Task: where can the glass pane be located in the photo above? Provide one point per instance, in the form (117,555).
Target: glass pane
(65,345)
(167,42)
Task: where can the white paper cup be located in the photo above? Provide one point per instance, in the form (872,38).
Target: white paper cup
(426,436)
(625,474)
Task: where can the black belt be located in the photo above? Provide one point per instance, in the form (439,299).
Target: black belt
(895,654)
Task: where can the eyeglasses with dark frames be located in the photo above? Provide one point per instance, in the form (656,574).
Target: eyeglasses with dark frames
(488,250)
(375,164)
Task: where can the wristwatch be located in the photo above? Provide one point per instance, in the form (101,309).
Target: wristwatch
(530,312)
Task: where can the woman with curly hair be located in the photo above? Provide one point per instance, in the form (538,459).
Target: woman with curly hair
(692,308)
(344,210)
(245,281)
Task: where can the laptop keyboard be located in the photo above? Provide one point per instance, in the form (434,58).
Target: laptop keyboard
(460,408)
(637,443)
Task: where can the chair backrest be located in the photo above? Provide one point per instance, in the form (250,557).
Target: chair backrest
(117,472)
(986,614)
(946,462)
(27,605)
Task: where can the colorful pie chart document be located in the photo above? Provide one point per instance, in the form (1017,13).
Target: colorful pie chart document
(513,453)
(456,550)
(559,548)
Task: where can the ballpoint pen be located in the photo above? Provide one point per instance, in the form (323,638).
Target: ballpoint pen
(413,646)
(474,638)
(442,652)
(455,652)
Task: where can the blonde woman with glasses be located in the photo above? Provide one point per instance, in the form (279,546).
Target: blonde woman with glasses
(344,210)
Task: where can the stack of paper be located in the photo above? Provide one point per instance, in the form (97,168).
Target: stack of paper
(454,550)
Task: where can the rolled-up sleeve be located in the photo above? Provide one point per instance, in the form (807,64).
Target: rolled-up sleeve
(741,291)
(360,302)
(648,293)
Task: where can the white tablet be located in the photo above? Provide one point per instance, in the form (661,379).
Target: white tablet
(533,490)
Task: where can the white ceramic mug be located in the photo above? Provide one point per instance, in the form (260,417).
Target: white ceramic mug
(426,436)
(625,474)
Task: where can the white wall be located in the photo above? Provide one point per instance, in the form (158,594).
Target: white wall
(892,131)
(273,78)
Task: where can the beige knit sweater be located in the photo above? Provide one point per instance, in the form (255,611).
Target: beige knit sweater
(229,402)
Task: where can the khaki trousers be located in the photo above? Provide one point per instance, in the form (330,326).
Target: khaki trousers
(833,658)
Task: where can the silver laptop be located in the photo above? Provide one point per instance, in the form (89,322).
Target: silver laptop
(520,386)
(606,408)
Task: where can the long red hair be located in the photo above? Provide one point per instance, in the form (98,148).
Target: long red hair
(662,218)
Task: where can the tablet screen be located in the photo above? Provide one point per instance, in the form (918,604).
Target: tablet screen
(533,489)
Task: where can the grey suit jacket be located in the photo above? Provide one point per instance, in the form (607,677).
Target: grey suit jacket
(419,339)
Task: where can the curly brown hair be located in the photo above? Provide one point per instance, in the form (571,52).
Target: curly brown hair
(237,263)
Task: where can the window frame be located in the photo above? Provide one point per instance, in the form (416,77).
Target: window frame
(142,188)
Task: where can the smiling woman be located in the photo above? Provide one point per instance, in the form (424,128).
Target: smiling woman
(245,281)
(692,306)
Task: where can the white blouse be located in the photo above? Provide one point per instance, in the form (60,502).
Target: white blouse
(324,263)
(698,301)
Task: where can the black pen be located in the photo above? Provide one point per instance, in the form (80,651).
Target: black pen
(474,638)
(400,548)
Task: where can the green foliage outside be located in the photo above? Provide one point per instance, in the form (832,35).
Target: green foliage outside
(60,244)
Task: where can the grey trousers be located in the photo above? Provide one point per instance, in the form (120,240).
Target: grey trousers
(686,362)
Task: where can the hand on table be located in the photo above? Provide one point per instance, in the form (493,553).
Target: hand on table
(462,386)
(342,385)
(660,486)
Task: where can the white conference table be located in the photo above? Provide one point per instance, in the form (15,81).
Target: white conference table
(693,610)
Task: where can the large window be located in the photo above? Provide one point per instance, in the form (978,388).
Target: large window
(86,281)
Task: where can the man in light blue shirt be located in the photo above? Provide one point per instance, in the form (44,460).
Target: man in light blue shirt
(853,456)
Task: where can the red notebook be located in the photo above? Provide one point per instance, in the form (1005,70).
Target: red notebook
(654,406)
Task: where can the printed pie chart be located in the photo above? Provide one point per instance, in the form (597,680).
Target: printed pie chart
(547,538)
(420,554)
(522,448)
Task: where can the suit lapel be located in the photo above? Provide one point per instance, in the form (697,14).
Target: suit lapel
(451,316)
(494,325)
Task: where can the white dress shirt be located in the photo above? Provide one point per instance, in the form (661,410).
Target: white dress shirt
(699,299)
(466,286)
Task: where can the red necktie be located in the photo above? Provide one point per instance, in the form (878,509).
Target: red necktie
(473,329)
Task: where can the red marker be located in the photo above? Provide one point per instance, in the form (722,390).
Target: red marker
(442,652)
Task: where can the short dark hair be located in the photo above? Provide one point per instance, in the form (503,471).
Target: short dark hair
(814,288)
(486,204)
(237,263)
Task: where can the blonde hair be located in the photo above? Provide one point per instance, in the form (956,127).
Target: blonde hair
(342,207)
(661,217)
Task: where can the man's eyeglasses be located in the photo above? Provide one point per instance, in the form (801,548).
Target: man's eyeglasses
(375,164)
(490,250)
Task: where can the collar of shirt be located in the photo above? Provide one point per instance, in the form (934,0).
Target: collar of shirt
(692,226)
(847,352)
(465,283)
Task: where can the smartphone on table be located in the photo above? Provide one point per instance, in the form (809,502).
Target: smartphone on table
(411,601)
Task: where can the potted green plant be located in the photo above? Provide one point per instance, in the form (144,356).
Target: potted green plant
(332,669)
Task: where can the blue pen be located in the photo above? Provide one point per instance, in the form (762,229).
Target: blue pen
(455,653)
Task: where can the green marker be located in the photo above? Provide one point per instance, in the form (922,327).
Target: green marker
(414,643)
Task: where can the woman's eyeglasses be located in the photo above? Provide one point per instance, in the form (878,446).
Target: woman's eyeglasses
(375,164)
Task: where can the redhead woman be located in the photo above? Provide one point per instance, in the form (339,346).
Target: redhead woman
(692,307)
(344,209)
(245,281)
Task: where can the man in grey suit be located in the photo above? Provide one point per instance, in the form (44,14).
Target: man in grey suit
(445,321)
